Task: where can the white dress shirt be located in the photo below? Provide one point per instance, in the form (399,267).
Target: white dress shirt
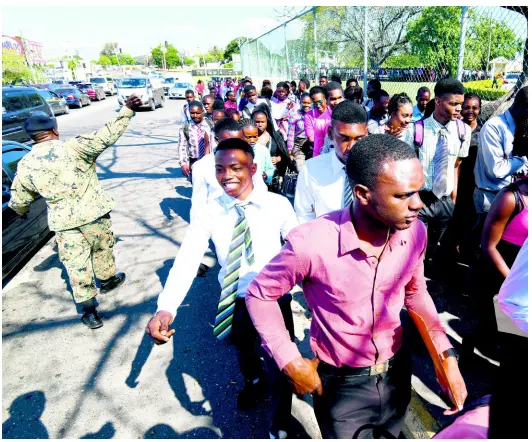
(205,186)
(269,217)
(495,164)
(320,187)
(427,152)
(513,294)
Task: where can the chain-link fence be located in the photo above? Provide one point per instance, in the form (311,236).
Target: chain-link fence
(403,47)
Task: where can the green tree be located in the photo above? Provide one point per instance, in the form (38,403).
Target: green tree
(189,61)
(14,68)
(109,49)
(172,56)
(435,37)
(340,29)
(403,60)
(215,54)
(126,59)
(233,48)
(104,60)
(72,65)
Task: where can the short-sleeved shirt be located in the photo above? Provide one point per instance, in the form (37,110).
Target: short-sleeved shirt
(431,135)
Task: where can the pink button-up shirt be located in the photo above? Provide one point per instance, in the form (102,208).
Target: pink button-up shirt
(321,124)
(309,122)
(355,299)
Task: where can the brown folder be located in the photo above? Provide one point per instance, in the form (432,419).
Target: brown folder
(438,364)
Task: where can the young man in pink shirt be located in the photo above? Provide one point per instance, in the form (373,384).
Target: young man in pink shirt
(358,267)
(335,95)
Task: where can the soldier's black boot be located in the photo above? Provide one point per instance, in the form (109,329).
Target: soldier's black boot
(113,282)
(90,316)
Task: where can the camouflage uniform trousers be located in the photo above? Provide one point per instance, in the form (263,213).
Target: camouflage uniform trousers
(86,251)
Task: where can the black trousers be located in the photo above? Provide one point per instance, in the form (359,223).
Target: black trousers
(436,215)
(246,339)
(364,407)
(509,401)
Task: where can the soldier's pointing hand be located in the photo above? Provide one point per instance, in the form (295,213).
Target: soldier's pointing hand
(133,102)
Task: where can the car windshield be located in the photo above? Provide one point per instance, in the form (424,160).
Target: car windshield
(85,86)
(132,82)
(45,94)
(98,80)
(168,80)
(181,85)
(512,76)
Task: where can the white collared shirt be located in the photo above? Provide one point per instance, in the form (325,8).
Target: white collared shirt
(320,187)
(269,217)
(495,163)
(427,152)
(205,186)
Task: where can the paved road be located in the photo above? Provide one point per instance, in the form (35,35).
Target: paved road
(66,381)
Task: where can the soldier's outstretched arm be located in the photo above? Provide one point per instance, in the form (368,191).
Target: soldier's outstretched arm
(21,196)
(89,146)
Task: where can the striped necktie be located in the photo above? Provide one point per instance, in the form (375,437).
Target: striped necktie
(201,142)
(348,191)
(440,164)
(241,241)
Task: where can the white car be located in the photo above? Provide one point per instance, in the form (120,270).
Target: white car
(178,90)
(510,80)
(106,83)
(149,90)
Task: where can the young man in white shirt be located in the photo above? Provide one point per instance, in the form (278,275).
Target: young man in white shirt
(322,185)
(246,225)
(253,100)
(444,142)
(204,183)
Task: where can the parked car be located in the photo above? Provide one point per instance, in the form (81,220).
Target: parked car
(58,104)
(107,83)
(510,80)
(75,83)
(73,96)
(178,90)
(167,84)
(18,103)
(94,91)
(48,86)
(60,81)
(149,90)
(19,236)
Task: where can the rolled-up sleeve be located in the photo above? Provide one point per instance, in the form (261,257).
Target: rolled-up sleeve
(497,165)
(282,273)
(309,125)
(418,300)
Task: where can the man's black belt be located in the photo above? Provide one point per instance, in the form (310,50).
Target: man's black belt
(356,371)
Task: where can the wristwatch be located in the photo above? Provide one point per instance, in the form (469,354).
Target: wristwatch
(448,353)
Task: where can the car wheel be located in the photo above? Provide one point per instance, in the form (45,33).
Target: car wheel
(98,98)
(152,104)
(66,110)
(80,105)
(162,102)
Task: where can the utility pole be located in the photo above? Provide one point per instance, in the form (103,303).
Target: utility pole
(314,26)
(117,57)
(463,29)
(27,58)
(163,50)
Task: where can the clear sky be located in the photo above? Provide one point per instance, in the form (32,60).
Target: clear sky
(137,29)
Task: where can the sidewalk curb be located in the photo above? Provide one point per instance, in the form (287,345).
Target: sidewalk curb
(419,422)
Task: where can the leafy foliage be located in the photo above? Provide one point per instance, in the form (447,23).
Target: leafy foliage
(232,48)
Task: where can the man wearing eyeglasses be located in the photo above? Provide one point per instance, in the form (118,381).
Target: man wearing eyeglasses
(335,95)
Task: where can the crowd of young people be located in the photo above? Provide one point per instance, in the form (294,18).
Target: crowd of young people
(387,188)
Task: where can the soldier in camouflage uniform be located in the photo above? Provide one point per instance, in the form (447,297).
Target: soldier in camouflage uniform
(64,174)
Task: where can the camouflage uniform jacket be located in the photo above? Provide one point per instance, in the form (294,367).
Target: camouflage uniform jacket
(65,175)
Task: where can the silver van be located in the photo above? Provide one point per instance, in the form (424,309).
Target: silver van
(106,83)
(150,91)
